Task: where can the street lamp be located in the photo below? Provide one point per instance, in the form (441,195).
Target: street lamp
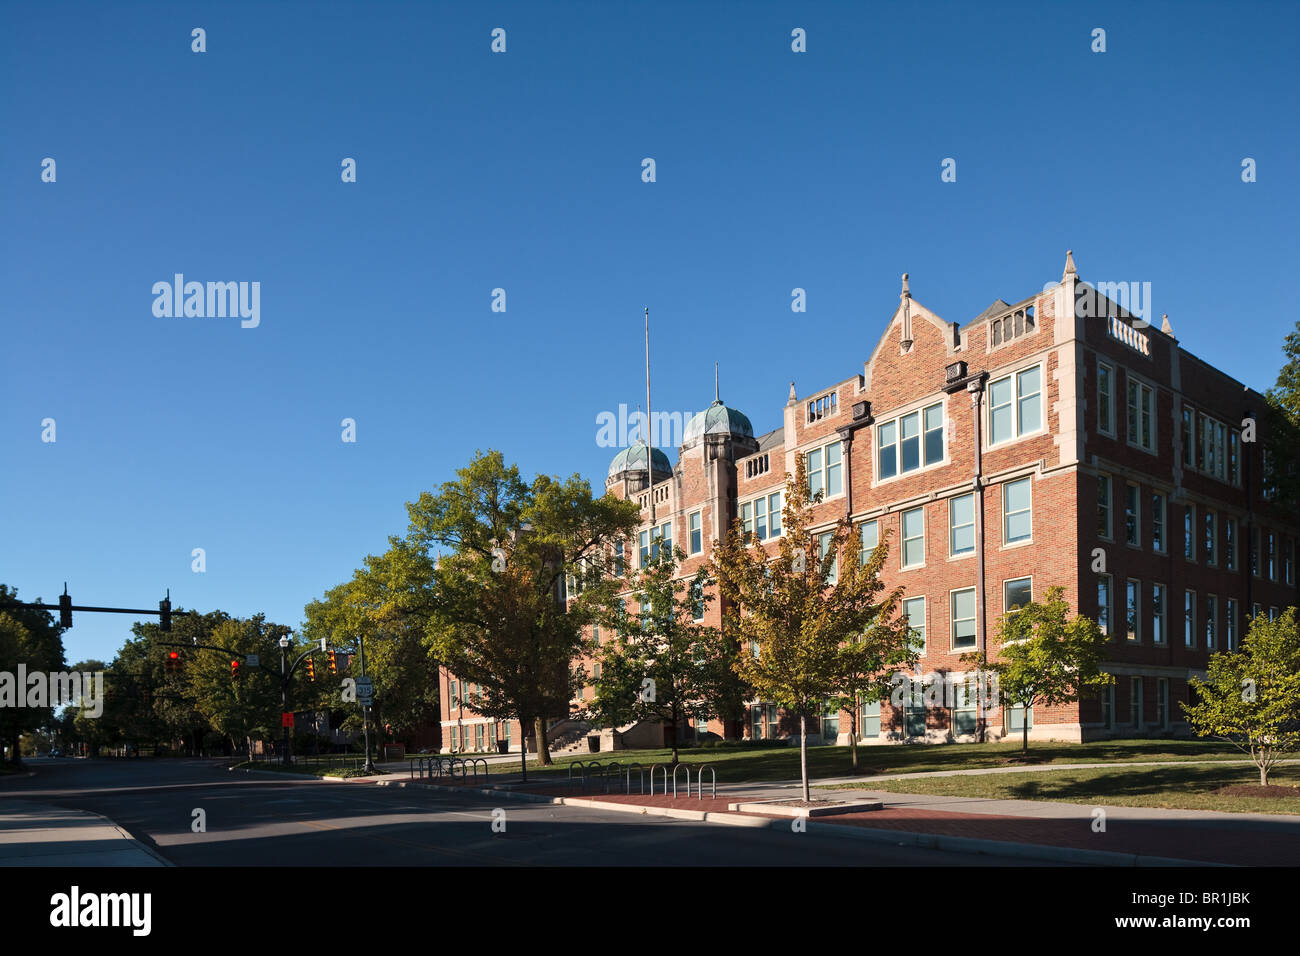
(284,693)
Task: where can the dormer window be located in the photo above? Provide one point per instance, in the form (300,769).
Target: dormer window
(1012,326)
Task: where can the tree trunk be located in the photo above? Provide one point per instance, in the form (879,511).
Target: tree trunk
(1024,731)
(803,754)
(539,731)
(1263,775)
(523,747)
(853,735)
(674,726)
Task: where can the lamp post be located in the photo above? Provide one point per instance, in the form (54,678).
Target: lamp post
(284,693)
(365,708)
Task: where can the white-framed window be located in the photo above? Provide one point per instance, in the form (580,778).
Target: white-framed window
(1108,707)
(914,538)
(1103,507)
(1234,457)
(1230,542)
(1135,702)
(762,516)
(1132,605)
(914,612)
(1230,624)
(697,601)
(1141,415)
(869,721)
(1017,511)
(961,525)
(868,539)
(1104,584)
(962,616)
(1159,630)
(1105,399)
(910,442)
(1212,450)
(1162,703)
(1187,432)
(1270,555)
(1211,621)
(825,467)
(1133,516)
(823,407)
(652,540)
(1158,522)
(1016,405)
(1189,532)
(1016,593)
(1209,527)
(1017,715)
(695,527)
(1189,618)
(824,542)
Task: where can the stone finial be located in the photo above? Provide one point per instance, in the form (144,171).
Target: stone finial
(1069,265)
(793,398)
(1165,327)
(906,293)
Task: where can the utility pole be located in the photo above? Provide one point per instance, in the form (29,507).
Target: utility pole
(365,708)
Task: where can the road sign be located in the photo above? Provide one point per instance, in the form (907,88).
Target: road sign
(365,691)
(252,660)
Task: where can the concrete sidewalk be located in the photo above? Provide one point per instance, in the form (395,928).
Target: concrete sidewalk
(40,834)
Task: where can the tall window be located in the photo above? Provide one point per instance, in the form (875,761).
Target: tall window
(1230,624)
(963,619)
(697,600)
(1270,555)
(825,470)
(1141,415)
(910,441)
(869,721)
(1103,506)
(914,612)
(1288,560)
(1103,603)
(1230,542)
(653,539)
(1189,618)
(1108,707)
(1211,621)
(1015,405)
(1017,508)
(1209,527)
(1234,457)
(1105,397)
(762,516)
(1158,614)
(1132,516)
(914,538)
(868,539)
(696,528)
(1158,522)
(824,542)
(961,525)
(1135,702)
(1162,702)
(1212,450)
(1016,593)
(1132,598)
(1189,532)
(1188,436)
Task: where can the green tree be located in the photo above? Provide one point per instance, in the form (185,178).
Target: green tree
(1045,656)
(31,637)
(245,705)
(500,614)
(661,664)
(1252,696)
(1279,428)
(792,612)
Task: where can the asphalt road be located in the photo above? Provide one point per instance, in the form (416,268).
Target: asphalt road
(262,820)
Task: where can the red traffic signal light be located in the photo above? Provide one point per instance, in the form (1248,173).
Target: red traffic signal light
(234,668)
(334,667)
(173,661)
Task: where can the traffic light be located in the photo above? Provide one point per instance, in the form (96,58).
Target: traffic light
(65,609)
(234,669)
(311,670)
(334,665)
(173,661)
(165,612)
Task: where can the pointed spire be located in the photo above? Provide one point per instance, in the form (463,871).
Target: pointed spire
(793,398)
(906,293)
(1069,265)
(1165,327)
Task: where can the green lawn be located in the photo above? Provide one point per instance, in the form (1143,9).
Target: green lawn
(311,770)
(739,764)
(1177,788)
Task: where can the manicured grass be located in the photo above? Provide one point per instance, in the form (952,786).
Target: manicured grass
(306,769)
(739,764)
(1176,788)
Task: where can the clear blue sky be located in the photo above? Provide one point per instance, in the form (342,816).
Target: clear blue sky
(522,171)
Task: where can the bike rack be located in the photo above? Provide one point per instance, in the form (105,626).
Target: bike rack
(612,772)
(582,773)
(592,767)
(641,773)
(713,781)
(687,768)
(653,768)
(474,762)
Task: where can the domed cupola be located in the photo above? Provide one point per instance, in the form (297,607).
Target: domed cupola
(633,459)
(717,420)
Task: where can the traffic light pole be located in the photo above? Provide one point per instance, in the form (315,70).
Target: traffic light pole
(365,708)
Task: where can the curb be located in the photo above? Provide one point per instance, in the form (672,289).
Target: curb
(932,841)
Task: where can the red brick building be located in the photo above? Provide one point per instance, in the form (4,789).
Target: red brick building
(1054,441)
